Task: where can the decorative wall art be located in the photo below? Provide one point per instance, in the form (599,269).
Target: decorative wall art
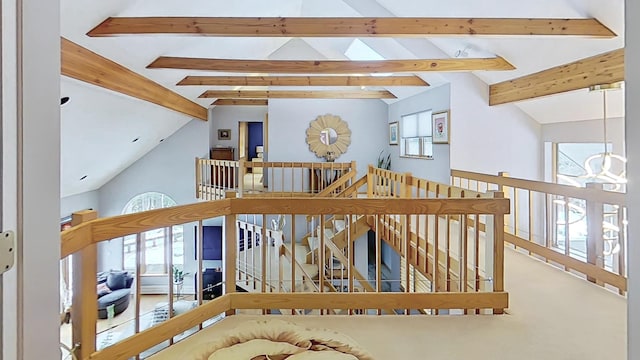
(393,133)
(440,122)
(224,134)
(328,136)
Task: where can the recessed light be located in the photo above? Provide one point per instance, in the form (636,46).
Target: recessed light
(136,139)
(83,177)
(64,100)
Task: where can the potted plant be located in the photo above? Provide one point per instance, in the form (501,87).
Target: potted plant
(384,162)
(178,275)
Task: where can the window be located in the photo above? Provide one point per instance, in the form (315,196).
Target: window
(154,250)
(417,138)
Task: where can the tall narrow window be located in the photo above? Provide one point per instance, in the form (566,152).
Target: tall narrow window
(153,242)
(417,137)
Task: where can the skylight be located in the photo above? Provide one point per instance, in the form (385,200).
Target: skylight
(361,51)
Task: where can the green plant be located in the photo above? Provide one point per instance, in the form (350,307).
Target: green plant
(384,162)
(178,275)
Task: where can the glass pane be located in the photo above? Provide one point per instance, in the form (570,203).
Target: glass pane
(412,146)
(154,252)
(178,246)
(424,123)
(409,126)
(129,249)
(427,146)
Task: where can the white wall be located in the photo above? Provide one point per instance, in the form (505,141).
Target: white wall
(489,139)
(83,201)
(9,335)
(587,131)
(169,169)
(632,86)
(228,117)
(31,178)
(289,120)
(434,99)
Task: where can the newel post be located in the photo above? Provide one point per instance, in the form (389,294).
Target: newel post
(595,230)
(230,251)
(498,251)
(84,306)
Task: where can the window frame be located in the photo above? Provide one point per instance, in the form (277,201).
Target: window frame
(423,151)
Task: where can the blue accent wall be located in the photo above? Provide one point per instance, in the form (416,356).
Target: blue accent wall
(255,138)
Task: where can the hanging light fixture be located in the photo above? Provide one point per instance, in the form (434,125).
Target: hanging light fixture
(605,159)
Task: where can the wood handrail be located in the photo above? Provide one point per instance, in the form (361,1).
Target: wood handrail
(328,191)
(602,196)
(353,188)
(145,339)
(102,229)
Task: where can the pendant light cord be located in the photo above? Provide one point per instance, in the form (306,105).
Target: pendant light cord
(604,121)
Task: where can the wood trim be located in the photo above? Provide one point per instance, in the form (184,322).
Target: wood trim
(145,339)
(331,66)
(102,229)
(370,300)
(596,195)
(241,102)
(303,81)
(83,64)
(85,307)
(353,188)
(589,270)
(331,206)
(347,26)
(117,226)
(308,94)
(600,69)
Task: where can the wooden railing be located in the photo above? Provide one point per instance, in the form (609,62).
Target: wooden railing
(582,230)
(81,241)
(439,252)
(271,179)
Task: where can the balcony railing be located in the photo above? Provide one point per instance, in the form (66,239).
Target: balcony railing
(426,230)
(583,230)
(270,179)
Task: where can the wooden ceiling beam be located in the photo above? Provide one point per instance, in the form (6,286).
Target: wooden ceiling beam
(348,27)
(331,66)
(244,102)
(253,94)
(304,81)
(84,65)
(600,69)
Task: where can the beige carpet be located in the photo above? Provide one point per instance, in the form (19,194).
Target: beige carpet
(552,315)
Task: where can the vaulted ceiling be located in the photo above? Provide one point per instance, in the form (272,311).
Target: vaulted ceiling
(99,125)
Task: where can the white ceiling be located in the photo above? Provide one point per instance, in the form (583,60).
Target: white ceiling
(98,125)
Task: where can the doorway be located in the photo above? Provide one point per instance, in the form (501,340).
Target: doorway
(251,140)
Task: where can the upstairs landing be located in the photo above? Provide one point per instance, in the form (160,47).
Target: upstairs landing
(552,315)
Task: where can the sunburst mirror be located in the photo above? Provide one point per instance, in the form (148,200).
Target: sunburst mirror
(328,136)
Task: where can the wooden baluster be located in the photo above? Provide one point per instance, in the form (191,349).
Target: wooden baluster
(230,252)
(84,312)
(595,232)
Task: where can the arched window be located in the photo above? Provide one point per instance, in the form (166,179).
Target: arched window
(154,250)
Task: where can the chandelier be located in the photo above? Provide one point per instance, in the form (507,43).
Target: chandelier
(606,158)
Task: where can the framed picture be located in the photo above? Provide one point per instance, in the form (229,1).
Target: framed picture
(393,133)
(224,134)
(440,123)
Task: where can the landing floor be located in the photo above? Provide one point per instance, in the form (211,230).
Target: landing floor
(552,315)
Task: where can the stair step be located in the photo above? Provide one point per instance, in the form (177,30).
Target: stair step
(339,225)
